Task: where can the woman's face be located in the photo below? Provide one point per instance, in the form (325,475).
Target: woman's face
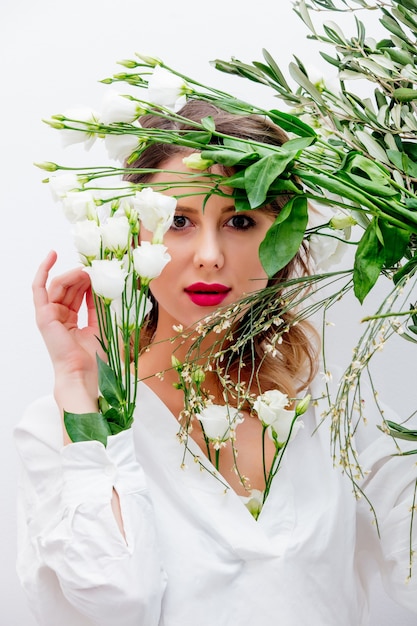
(214,254)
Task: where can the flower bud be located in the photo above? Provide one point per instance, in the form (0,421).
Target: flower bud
(340,221)
(176,364)
(303,405)
(198,375)
(195,162)
(130,64)
(153,61)
(48,166)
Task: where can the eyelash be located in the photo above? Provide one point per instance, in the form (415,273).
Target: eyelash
(250,222)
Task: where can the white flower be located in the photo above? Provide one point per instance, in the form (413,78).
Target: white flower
(115,234)
(107,278)
(87,238)
(219,422)
(149,259)
(120,147)
(155,210)
(326,249)
(79,119)
(79,205)
(117,107)
(254,502)
(272,411)
(128,316)
(165,88)
(60,184)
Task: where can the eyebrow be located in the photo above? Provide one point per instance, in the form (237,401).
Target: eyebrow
(227,209)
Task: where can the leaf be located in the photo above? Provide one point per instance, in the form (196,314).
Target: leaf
(279,77)
(291,123)
(260,175)
(208,124)
(402,162)
(87,427)
(408,268)
(305,83)
(405,94)
(283,239)
(372,146)
(369,261)
(400,432)
(109,384)
(395,242)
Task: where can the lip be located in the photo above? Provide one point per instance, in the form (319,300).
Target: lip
(207,294)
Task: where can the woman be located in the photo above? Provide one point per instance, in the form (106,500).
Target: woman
(137,532)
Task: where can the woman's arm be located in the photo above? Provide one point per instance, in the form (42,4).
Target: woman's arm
(87,518)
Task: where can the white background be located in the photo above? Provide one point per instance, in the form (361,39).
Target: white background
(52,55)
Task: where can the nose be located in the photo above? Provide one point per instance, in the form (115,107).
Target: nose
(208,252)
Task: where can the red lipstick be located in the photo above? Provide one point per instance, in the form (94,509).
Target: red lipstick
(204,294)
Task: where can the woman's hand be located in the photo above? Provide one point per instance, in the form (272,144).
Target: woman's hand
(72,349)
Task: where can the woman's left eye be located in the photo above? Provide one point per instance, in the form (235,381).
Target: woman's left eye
(241,222)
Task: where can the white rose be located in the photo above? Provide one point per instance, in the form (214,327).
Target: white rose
(115,234)
(79,119)
(165,89)
(131,318)
(107,278)
(219,422)
(78,206)
(156,211)
(149,259)
(118,108)
(269,405)
(272,411)
(326,249)
(60,184)
(87,238)
(120,147)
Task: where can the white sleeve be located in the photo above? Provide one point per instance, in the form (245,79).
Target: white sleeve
(73,560)
(389,533)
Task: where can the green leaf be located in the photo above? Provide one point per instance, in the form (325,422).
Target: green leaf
(283,239)
(109,384)
(369,261)
(405,94)
(395,242)
(260,176)
(402,162)
(208,124)
(87,427)
(330,59)
(400,432)
(305,83)
(408,268)
(291,124)
(279,77)
(226,157)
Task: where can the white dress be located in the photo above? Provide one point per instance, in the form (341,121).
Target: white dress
(193,553)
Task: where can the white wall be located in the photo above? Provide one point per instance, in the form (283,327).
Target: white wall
(52,55)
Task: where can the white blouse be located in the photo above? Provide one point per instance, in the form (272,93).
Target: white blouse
(193,553)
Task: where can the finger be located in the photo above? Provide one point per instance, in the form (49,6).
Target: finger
(91,309)
(69,289)
(40,294)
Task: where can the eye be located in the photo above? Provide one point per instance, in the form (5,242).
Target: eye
(180,222)
(241,222)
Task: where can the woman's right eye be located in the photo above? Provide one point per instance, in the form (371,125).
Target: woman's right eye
(180,222)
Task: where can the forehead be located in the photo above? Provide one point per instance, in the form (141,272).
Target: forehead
(184,179)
